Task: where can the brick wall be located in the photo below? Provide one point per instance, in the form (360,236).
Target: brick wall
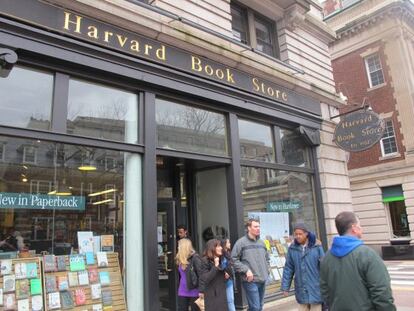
(352,80)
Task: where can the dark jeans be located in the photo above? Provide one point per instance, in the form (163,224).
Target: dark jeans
(185,302)
(255,295)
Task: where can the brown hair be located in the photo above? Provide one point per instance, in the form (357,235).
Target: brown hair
(210,250)
(250,221)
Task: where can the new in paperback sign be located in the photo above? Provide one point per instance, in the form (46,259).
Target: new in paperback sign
(283,206)
(41,201)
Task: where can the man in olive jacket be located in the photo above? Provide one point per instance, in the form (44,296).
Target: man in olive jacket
(353,276)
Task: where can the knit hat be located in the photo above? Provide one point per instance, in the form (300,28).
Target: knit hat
(301,226)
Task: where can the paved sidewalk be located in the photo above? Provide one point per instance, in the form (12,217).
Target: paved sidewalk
(284,304)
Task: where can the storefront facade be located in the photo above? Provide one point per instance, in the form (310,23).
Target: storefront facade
(106,129)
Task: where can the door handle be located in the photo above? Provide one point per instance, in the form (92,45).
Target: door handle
(166,260)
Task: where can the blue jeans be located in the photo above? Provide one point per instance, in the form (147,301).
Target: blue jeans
(230,295)
(255,295)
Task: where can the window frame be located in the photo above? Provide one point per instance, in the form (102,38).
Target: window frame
(251,17)
(3,151)
(366,58)
(25,161)
(388,137)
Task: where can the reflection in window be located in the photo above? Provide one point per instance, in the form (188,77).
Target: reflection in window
(388,141)
(255,141)
(190,129)
(2,151)
(264,36)
(103,112)
(29,154)
(239,23)
(294,149)
(278,199)
(26,98)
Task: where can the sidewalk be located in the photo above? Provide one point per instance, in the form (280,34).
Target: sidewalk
(284,304)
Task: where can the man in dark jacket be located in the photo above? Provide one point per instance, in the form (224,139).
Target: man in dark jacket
(251,260)
(302,261)
(353,276)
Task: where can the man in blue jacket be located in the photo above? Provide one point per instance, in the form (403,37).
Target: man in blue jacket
(302,263)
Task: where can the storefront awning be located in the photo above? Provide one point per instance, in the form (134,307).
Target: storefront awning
(392,194)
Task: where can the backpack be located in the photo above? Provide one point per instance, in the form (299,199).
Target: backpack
(191,273)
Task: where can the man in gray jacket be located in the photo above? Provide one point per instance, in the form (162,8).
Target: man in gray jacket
(251,259)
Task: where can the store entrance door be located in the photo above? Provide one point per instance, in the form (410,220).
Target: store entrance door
(166,254)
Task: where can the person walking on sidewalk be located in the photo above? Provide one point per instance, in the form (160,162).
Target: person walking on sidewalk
(353,276)
(302,263)
(228,263)
(251,259)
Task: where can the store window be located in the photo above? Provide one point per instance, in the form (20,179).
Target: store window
(256,142)
(56,199)
(26,98)
(374,70)
(388,141)
(278,199)
(253,29)
(294,150)
(191,129)
(100,111)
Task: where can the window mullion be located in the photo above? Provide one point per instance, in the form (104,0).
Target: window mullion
(252,29)
(60,102)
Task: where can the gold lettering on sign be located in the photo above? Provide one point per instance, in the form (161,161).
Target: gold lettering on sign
(68,22)
(197,65)
(160,53)
(122,40)
(268,90)
(108,34)
(93,32)
(135,45)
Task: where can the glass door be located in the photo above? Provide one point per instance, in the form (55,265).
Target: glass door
(166,254)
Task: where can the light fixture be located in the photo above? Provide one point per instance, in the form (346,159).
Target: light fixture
(88,164)
(24,179)
(61,190)
(101,192)
(102,202)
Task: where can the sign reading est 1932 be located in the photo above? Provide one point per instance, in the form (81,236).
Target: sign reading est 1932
(359,130)
(41,201)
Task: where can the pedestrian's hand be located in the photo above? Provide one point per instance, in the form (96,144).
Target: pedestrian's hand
(249,276)
(285,293)
(226,275)
(216,261)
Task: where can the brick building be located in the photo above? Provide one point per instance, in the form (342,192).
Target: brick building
(372,59)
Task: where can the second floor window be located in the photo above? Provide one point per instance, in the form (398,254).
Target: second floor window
(29,155)
(388,141)
(374,70)
(253,29)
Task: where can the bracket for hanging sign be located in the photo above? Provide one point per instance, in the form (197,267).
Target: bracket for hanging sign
(364,105)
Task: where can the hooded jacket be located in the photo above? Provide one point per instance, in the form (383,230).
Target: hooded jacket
(354,277)
(303,264)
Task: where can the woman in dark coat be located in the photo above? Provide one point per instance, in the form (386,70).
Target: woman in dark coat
(212,282)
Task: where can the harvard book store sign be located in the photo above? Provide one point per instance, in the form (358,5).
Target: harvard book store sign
(41,201)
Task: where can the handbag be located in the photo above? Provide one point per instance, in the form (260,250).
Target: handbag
(200,303)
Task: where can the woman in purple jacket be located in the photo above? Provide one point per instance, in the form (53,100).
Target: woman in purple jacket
(185,256)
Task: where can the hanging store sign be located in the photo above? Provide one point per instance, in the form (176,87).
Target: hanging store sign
(359,130)
(283,206)
(96,32)
(41,201)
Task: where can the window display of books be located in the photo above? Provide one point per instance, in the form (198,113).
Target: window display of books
(84,280)
(21,288)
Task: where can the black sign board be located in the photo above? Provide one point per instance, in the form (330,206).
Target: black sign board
(359,130)
(72,24)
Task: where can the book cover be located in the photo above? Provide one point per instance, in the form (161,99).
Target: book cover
(107,308)
(102,259)
(97,307)
(107,243)
(73,279)
(93,275)
(9,283)
(62,282)
(6,267)
(22,289)
(96,291)
(104,278)
(9,302)
(37,303)
(50,283)
(96,244)
(76,262)
(66,299)
(49,263)
(31,270)
(35,287)
(85,241)
(106,297)
(23,305)
(54,300)
(61,263)
(83,277)
(20,270)
(90,258)
(80,297)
